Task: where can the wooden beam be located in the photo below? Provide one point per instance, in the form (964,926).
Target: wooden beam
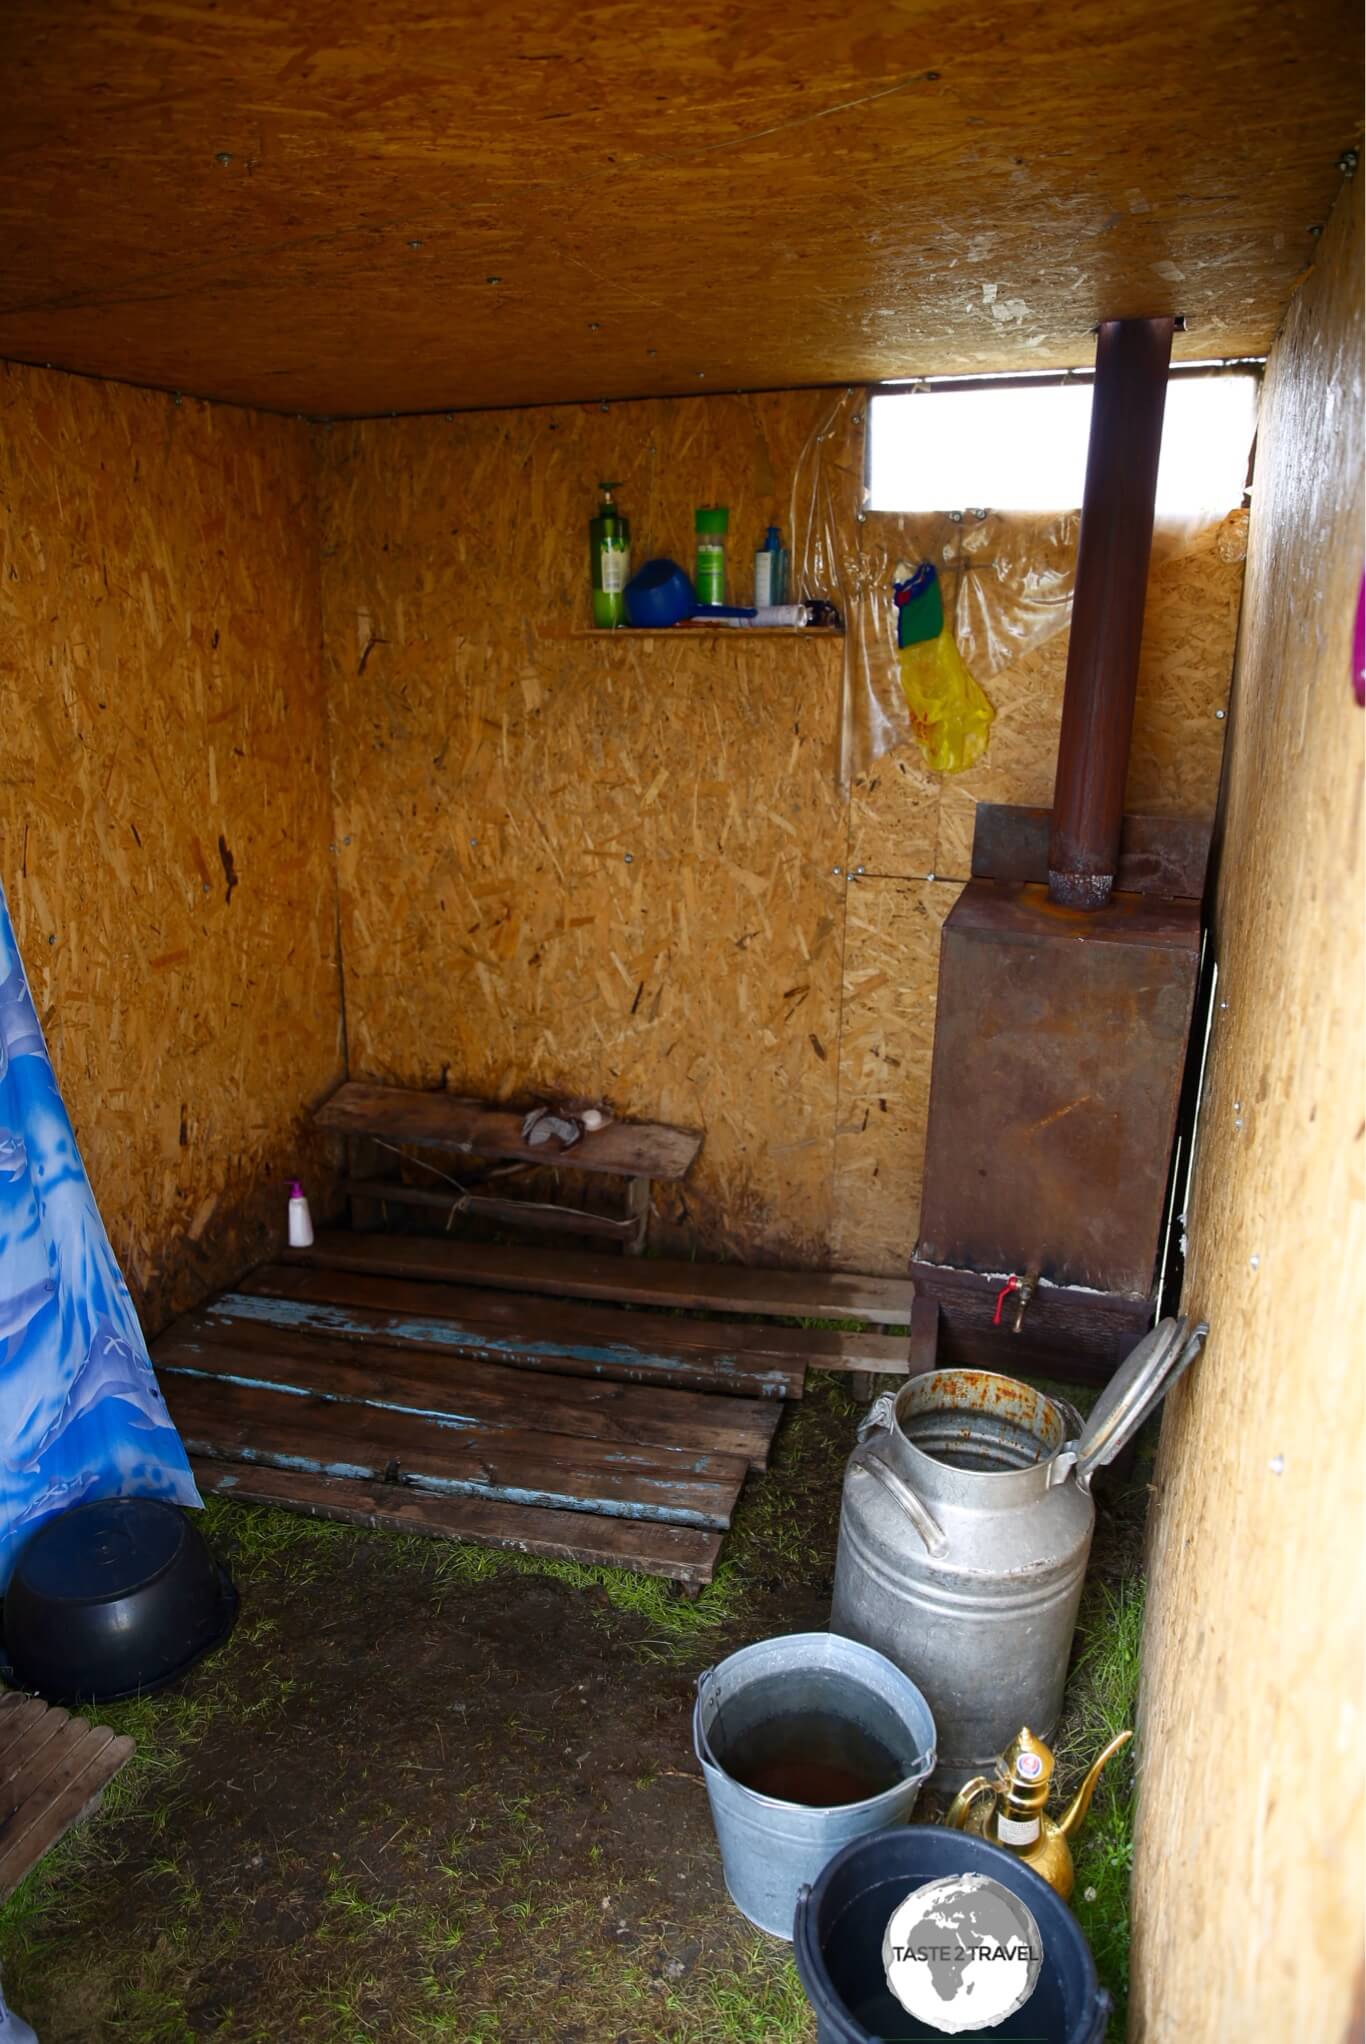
(624,1149)
(574,1274)
(519,1213)
(685,1554)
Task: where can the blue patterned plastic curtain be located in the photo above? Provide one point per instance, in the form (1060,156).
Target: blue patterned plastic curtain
(80,1412)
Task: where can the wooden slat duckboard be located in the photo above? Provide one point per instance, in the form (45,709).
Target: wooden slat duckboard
(508,1398)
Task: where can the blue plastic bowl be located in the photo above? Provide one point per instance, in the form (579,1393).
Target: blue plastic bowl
(660,594)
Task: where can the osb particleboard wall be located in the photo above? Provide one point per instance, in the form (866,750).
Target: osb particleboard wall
(624,867)
(164,825)
(1252,1701)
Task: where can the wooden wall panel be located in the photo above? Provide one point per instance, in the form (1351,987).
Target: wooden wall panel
(159,664)
(1252,1718)
(622,865)
(604,866)
(891,979)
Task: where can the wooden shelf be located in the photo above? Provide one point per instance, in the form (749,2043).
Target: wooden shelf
(696,632)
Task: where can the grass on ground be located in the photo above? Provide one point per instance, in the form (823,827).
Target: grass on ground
(459,1947)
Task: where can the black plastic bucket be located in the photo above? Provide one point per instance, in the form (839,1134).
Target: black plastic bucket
(842,1920)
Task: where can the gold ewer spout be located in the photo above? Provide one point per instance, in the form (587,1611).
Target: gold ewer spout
(1074,1815)
(1009,1811)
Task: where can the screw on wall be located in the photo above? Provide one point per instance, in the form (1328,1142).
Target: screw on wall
(223,157)
(1348,162)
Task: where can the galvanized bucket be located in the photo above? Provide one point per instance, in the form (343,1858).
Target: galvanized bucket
(771,1849)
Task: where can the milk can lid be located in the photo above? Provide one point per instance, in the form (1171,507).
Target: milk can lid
(1138,1385)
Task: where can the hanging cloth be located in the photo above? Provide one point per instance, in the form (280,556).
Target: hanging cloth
(80,1412)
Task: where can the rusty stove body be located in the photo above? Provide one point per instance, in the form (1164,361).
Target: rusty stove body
(1067,981)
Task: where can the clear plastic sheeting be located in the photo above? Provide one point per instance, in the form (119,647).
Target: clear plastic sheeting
(1015,578)
(1007,576)
(1007,580)
(831,558)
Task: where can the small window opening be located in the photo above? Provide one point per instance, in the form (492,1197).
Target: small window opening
(1019,443)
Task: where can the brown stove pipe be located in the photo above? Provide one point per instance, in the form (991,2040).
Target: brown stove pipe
(1132,360)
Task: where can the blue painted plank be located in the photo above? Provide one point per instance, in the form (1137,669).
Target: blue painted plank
(736,1372)
(240,1423)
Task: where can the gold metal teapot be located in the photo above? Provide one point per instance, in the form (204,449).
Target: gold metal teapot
(1009,1811)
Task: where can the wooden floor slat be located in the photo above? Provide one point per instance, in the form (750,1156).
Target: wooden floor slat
(644,1281)
(17,1714)
(556,1470)
(72,1768)
(567,1404)
(463,1390)
(30,1759)
(556,1340)
(52,1767)
(737,1346)
(685,1554)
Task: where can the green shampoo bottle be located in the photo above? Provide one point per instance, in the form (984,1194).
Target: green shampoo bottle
(609,547)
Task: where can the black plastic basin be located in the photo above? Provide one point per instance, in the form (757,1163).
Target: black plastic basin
(842,1920)
(113,1598)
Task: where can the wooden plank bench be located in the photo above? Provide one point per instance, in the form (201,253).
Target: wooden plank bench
(399,1116)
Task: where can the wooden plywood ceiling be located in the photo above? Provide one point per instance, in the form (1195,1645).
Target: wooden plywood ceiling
(339,207)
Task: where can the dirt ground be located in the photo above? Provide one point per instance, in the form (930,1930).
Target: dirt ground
(428,1792)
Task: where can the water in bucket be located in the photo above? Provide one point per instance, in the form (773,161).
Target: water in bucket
(821,1754)
(805,1741)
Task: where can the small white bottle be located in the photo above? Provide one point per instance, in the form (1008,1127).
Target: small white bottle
(300,1219)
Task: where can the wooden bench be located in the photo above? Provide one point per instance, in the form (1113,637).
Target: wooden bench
(397,1117)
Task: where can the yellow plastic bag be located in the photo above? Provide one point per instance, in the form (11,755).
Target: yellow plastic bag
(950,715)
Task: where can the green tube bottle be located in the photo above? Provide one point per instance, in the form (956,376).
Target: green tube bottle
(609,548)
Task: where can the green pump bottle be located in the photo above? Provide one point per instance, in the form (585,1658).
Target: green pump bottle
(609,547)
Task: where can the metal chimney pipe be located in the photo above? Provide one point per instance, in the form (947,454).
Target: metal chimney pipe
(1132,360)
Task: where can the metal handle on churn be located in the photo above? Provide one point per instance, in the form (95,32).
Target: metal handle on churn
(867,1462)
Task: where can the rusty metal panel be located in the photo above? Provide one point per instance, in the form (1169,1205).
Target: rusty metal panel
(1162,855)
(1079,1336)
(1059,1046)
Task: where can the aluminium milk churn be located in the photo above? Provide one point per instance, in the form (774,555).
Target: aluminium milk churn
(965,1529)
